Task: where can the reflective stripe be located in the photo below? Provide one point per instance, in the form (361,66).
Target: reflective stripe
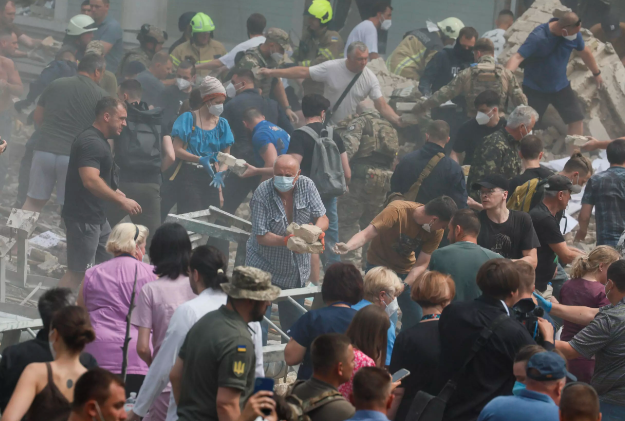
(405,62)
(175,60)
(306,63)
(326,53)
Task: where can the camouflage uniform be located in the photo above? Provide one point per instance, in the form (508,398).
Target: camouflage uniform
(201,54)
(315,48)
(485,75)
(371,144)
(140,54)
(498,154)
(254,60)
(414,52)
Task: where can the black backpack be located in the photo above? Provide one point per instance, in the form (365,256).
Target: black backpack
(138,148)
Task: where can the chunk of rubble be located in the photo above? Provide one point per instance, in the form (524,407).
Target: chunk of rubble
(298,245)
(239,167)
(226,159)
(308,233)
(576,140)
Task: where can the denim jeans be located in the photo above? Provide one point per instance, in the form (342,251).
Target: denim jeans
(288,314)
(411,312)
(332,234)
(612,412)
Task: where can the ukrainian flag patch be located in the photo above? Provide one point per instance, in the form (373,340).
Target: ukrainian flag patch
(241,348)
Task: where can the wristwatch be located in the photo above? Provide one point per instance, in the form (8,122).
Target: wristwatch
(597,74)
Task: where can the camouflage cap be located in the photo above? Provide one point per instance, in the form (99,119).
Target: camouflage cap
(95,47)
(157,33)
(252,284)
(278,36)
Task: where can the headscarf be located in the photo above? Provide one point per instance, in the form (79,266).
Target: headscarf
(211,88)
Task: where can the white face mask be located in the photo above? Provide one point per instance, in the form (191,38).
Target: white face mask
(386,25)
(277,57)
(182,84)
(576,189)
(216,109)
(605,288)
(482,118)
(567,36)
(392,308)
(427,227)
(51,343)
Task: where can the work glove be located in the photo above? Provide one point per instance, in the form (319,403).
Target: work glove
(206,163)
(286,239)
(218,180)
(323,241)
(542,302)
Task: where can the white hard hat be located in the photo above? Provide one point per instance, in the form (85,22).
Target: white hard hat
(451,27)
(80,24)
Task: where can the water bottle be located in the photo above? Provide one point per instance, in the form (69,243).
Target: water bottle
(130,402)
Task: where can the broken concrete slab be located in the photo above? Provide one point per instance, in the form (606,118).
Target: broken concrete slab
(226,159)
(298,245)
(576,140)
(308,233)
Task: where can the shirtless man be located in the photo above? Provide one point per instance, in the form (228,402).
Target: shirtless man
(7,16)
(10,85)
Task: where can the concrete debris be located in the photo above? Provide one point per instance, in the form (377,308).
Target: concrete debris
(604,108)
(308,233)
(239,167)
(576,140)
(389,82)
(235,165)
(298,245)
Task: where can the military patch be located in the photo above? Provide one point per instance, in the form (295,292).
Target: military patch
(241,348)
(238,368)
(334,39)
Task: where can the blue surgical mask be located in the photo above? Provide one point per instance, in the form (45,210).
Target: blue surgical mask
(282,183)
(518,386)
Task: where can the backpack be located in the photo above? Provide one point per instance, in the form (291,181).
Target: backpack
(411,195)
(138,148)
(527,195)
(301,408)
(326,170)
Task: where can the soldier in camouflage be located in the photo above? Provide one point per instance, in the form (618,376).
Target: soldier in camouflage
(269,55)
(485,75)
(371,144)
(151,40)
(318,44)
(499,152)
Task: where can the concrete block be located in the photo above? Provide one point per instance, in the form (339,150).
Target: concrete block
(238,167)
(226,159)
(308,233)
(298,245)
(576,140)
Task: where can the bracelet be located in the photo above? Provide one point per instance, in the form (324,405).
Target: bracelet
(597,74)
(288,107)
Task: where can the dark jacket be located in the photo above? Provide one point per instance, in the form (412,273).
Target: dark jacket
(446,178)
(53,71)
(442,69)
(233,112)
(15,359)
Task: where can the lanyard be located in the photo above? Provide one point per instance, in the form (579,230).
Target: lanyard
(430,317)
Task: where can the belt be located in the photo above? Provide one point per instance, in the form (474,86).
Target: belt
(194,164)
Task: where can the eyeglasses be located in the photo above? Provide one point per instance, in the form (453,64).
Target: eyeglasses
(489,192)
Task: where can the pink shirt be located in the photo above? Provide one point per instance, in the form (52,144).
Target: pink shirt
(107,289)
(360,360)
(156,304)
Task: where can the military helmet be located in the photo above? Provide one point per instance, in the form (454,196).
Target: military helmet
(80,24)
(451,27)
(322,10)
(151,33)
(202,23)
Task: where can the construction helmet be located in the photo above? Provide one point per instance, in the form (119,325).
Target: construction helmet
(202,23)
(80,24)
(451,27)
(322,10)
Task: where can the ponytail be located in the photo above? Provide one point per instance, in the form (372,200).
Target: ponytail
(211,264)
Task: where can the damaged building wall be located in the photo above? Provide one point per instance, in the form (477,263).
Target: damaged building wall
(604,108)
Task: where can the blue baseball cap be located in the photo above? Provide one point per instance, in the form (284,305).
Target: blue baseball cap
(547,366)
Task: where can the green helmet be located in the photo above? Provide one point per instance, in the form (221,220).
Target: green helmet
(202,23)
(322,10)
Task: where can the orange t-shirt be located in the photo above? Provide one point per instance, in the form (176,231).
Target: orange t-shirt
(400,239)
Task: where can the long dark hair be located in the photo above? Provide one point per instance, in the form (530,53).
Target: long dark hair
(368,332)
(170,251)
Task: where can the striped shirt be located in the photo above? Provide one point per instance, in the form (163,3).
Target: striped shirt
(606,192)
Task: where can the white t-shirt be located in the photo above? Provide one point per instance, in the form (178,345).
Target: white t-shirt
(496,36)
(335,77)
(228,59)
(365,32)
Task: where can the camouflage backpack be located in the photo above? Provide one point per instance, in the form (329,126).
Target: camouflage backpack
(485,76)
(300,409)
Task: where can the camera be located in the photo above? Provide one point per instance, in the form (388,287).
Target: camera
(526,312)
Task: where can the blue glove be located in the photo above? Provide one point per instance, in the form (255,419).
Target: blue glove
(218,180)
(542,302)
(206,163)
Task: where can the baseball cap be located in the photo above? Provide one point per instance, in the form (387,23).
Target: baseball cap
(278,36)
(558,182)
(490,182)
(547,366)
(611,25)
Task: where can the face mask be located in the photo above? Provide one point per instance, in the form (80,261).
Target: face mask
(463,53)
(277,57)
(283,184)
(182,84)
(518,386)
(386,25)
(605,288)
(482,118)
(569,37)
(427,227)
(50,343)
(526,132)
(97,407)
(231,91)
(216,109)
(392,308)
(576,189)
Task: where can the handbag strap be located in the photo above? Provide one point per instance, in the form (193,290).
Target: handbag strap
(342,97)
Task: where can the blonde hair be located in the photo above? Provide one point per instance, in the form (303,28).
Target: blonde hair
(380,279)
(122,238)
(584,265)
(434,288)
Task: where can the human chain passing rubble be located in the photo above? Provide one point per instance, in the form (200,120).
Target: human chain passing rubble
(371,212)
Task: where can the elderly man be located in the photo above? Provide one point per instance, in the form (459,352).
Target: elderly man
(336,76)
(285,198)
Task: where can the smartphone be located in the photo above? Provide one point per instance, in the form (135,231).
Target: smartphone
(264,383)
(401,374)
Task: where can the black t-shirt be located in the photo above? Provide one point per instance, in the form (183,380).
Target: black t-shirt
(470,135)
(90,149)
(304,145)
(417,349)
(548,231)
(170,101)
(510,238)
(529,174)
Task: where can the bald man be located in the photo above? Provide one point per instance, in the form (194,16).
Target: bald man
(286,197)
(546,54)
